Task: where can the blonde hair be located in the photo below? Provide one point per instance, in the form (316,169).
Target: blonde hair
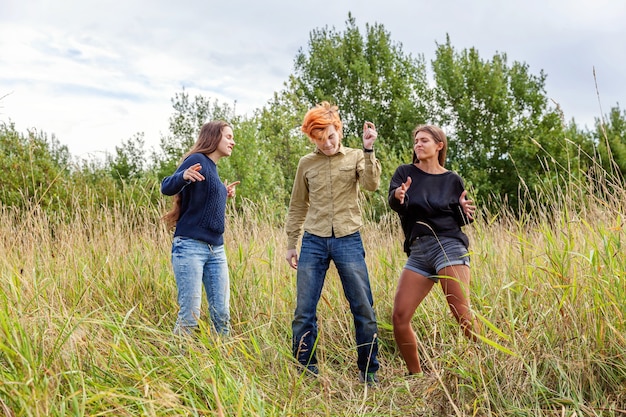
(319,118)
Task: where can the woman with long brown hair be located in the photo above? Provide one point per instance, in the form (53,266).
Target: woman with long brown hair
(432,204)
(198,213)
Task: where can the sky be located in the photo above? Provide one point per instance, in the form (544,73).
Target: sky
(94,73)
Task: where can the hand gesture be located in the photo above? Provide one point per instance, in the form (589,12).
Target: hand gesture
(467,205)
(230,188)
(369,135)
(292,258)
(400,192)
(193,173)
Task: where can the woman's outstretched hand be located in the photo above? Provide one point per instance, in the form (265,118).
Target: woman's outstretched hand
(400,192)
(193,173)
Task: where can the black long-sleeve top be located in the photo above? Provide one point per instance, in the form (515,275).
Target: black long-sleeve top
(431,204)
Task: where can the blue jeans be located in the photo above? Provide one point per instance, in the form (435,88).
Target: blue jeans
(349,257)
(195,264)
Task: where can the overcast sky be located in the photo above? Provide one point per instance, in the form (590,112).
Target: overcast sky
(95,73)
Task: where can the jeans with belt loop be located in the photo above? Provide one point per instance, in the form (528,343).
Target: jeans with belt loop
(197,264)
(348,255)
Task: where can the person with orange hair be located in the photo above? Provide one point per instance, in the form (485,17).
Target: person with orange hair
(325,213)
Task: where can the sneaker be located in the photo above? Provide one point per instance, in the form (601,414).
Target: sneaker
(370,378)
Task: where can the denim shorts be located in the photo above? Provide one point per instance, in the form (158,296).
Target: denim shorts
(430,254)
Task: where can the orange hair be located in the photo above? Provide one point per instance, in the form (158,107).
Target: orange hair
(317,120)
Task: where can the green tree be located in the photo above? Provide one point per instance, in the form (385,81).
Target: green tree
(129,159)
(610,137)
(252,161)
(500,123)
(369,78)
(279,133)
(184,126)
(35,169)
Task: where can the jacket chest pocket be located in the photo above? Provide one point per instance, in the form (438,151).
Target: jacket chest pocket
(315,180)
(347,174)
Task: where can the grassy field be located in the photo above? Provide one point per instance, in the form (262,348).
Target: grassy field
(88,305)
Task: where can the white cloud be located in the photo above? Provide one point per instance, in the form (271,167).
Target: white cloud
(95,73)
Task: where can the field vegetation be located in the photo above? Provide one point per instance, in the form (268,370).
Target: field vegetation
(88,297)
(88,307)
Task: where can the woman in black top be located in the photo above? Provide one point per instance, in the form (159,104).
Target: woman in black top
(432,205)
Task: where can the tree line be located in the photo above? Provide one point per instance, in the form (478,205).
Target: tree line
(506,138)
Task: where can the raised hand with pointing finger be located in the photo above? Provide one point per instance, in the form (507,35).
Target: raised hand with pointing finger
(369,135)
(230,188)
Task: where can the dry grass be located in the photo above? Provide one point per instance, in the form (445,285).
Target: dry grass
(88,305)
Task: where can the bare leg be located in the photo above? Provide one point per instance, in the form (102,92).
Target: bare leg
(412,289)
(456,290)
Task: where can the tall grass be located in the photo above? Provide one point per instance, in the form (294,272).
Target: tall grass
(88,306)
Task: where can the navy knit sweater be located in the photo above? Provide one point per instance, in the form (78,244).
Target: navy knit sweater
(203,202)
